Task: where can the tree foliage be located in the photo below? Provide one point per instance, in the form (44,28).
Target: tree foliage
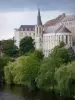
(45,79)
(65,78)
(46,74)
(26,45)
(3,63)
(24,70)
(9,48)
(56,72)
(61,55)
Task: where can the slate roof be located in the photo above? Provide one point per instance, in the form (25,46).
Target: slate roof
(27,27)
(54,21)
(39,22)
(57,29)
(62,29)
(69,18)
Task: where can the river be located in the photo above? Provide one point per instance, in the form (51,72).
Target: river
(8,92)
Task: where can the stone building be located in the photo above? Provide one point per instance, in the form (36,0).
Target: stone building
(50,34)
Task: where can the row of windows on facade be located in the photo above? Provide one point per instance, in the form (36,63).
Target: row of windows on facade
(69,19)
(72,29)
(59,38)
(69,23)
(27,34)
(27,29)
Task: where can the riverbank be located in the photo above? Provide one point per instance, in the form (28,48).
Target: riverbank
(14,92)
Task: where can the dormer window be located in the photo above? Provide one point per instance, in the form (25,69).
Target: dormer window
(33,29)
(21,29)
(25,29)
(29,29)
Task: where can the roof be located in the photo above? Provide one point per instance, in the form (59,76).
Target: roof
(54,21)
(68,18)
(62,29)
(27,27)
(57,29)
(39,22)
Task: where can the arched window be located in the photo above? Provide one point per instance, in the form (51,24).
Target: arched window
(62,38)
(66,39)
(59,38)
(39,29)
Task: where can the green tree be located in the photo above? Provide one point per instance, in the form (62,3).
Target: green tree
(65,78)
(62,44)
(45,79)
(24,70)
(26,45)
(9,48)
(14,71)
(3,63)
(61,55)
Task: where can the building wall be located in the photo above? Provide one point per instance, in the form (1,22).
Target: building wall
(21,34)
(50,40)
(69,22)
(47,40)
(38,37)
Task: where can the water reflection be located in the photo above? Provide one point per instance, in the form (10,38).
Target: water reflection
(9,92)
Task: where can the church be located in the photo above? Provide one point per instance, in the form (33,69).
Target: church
(49,35)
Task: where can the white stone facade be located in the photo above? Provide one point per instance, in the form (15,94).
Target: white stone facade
(46,38)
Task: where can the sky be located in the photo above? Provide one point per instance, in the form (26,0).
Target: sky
(14,13)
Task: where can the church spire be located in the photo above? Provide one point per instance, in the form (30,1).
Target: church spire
(39,22)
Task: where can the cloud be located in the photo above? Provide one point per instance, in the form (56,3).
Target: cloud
(67,5)
(11,20)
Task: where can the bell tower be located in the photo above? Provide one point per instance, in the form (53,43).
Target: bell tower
(38,32)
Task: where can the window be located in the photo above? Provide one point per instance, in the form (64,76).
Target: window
(33,29)
(25,29)
(59,38)
(29,29)
(40,40)
(66,39)
(40,30)
(62,38)
(21,34)
(37,29)
(21,29)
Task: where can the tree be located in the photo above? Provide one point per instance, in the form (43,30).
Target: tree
(38,54)
(46,74)
(65,78)
(9,48)
(62,44)
(26,45)
(24,70)
(14,71)
(3,63)
(60,54)
(45,79)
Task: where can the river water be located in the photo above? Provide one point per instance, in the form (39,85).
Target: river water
(8,92)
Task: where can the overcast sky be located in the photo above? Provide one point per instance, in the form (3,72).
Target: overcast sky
(14,13)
